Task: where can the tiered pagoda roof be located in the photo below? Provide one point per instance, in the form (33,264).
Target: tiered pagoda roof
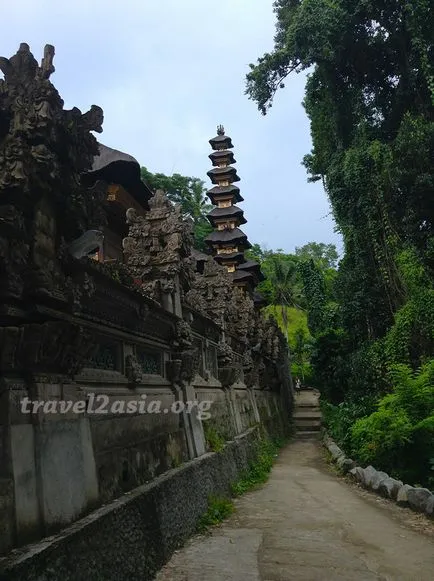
(228,242)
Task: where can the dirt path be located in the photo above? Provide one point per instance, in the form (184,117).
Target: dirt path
(307,524)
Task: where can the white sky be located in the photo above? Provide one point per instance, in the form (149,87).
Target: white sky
(166,73)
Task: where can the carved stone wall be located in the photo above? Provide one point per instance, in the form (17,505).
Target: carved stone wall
(158,250)
(43,151)
(72,328)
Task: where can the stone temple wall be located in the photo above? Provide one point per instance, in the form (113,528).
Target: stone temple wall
(95,334)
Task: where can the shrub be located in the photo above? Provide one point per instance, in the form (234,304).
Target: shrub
(340,419)
(399,436)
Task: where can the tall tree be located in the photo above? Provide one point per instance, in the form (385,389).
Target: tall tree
(190,194)
(370,100)
(326,254)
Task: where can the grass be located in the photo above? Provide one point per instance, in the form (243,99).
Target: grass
(218,510)
(215,442)
(258,470)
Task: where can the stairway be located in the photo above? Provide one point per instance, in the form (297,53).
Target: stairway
(307,415)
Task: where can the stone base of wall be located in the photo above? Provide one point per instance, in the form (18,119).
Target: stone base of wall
(134,536)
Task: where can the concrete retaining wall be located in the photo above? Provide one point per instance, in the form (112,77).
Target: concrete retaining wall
(132,537)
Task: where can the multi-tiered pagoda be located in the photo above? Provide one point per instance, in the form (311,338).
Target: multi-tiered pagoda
(228,242)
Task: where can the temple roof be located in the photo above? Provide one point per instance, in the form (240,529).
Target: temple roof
(221,141)
(230,212)
(227,235)
(222,172)
(240,275)
(116,167)
(233,257)
(107,155)
(249,265)
(218,156)
(225,191)
(252,266)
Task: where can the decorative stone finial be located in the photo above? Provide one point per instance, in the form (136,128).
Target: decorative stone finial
(220,130)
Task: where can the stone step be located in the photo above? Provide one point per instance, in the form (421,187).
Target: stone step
(308,435)
(308,428)
(307,425)
(311,415)
(304,419)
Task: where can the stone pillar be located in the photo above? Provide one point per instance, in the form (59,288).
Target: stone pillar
(65,465)
(193,424)
(19,501)
(185,392)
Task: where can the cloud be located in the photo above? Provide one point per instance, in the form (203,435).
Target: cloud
(166,73)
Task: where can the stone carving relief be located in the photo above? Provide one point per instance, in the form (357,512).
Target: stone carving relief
(158,248)
(211,291)
(44,149)
(133,370)
(184,365)
(55,346)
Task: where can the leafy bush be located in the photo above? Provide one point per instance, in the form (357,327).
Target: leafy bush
(340,419)
(399,436)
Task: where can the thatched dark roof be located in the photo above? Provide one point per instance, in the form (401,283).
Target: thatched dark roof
(233,257)
(107,155)
(116,167)
(218,191)
(231,212)
(226,236)
(220,141)
(249,265)
(228,172)
(240,275)
(254,267)
(219,156)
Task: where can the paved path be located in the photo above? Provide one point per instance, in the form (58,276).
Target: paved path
(308,524)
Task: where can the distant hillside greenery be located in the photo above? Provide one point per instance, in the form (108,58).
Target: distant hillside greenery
(369,98)
(293,323)
(288,299)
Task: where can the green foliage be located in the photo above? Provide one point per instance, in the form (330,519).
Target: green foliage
(259,470)
(339,419)
(219,509)
(411,338)
(292,324)
(370,100)
(324,254)
(190,194)
(399,436)
(315,293)
(215,442)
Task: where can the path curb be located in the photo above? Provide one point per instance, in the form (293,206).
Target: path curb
(418,499)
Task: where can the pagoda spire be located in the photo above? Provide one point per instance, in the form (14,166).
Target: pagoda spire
(228,242)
